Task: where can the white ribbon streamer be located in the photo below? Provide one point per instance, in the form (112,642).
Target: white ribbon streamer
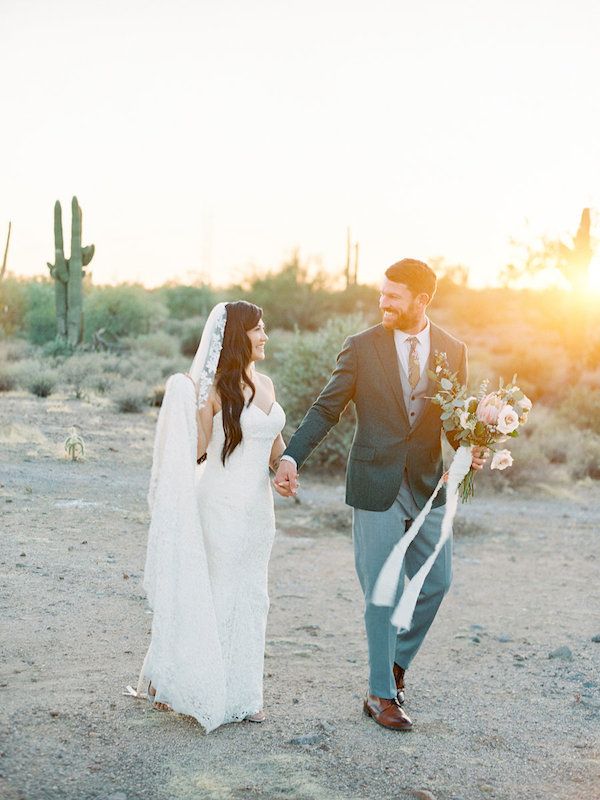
(386,586)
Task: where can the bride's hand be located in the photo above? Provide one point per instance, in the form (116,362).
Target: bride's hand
(480,456)
(286,479)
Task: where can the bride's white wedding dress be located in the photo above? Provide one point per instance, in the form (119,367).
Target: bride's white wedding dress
(210,538)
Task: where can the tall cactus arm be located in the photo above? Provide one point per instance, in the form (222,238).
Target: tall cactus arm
(75,230)
(60,269)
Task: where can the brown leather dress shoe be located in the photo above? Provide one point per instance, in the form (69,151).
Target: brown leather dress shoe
(387,713)
(399,678)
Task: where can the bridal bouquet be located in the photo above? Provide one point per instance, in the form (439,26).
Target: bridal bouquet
(485,420)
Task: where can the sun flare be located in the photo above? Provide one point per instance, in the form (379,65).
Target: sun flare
(594,276)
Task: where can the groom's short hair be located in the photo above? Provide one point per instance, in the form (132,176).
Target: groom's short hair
(414,274)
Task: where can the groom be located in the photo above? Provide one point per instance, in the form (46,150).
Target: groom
(394,465)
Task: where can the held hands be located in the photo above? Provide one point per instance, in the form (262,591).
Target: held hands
(286,479)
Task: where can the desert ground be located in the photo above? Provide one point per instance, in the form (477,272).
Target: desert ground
(505,693)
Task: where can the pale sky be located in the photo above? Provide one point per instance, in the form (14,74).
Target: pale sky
(206,136)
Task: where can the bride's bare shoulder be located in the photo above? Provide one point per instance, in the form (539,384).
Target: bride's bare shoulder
(265,381)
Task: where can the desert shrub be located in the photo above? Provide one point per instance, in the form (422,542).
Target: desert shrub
(592,351)
(102,382)
(187,301)
(13,350)
(13,304)
(304,362)
(80,371)
(8,378)
(120,311)
(26,370)
(157,394)
(187,332)
(289,299)
(130,397)
(581,407)
(43,383)
(542,371)
(58,348)
(108,362)
(39,321)
(548,451)
(158,343)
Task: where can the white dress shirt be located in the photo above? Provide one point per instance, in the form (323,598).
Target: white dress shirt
(423,347)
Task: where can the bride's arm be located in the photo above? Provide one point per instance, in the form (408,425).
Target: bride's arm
(276,452)
(205,422)
(278,445)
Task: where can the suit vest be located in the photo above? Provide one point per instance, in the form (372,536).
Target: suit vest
(414,399)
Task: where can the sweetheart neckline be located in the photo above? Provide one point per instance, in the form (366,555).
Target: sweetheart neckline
(253,405)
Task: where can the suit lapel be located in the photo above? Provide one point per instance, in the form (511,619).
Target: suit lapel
(436,343)
(388,357)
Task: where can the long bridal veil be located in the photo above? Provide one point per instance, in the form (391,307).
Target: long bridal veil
(184,661)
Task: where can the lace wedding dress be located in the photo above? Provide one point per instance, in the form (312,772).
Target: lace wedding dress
(210,538)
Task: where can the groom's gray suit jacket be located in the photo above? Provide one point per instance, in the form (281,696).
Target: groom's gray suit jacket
(385,443)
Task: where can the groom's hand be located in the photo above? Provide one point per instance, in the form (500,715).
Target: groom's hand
(286,479)
(480,456)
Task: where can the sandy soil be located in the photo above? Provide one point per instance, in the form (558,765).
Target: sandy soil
(495,715)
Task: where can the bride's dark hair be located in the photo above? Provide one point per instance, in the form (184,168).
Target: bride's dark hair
(232,369)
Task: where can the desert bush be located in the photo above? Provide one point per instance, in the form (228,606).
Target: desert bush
(80,371)
(43,383)
(581,407)
(542,371)
(158,343)
(39,321)
(592,351)
(8,378)
(58,348)
(130,397)
(289,299)
(26,369)
(187,301)
(304,362)
(548,451)
(103,382)
(157,394)
(13,350)
(120,311)
(13,304)
(187,332)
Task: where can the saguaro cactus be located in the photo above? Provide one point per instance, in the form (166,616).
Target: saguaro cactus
(3,269)
(68,276)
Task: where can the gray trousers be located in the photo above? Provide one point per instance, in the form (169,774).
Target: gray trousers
(375,534)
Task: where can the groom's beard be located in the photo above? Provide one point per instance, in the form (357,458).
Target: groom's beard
(400,320)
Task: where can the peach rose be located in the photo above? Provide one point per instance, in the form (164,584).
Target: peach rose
(501,460)
(508,420)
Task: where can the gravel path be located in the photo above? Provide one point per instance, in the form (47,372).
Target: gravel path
(496,716)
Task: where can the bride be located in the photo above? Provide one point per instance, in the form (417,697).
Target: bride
(212,526)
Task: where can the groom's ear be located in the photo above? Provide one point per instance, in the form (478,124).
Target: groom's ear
(423,298)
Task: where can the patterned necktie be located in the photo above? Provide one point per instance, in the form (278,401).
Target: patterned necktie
(414,368)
